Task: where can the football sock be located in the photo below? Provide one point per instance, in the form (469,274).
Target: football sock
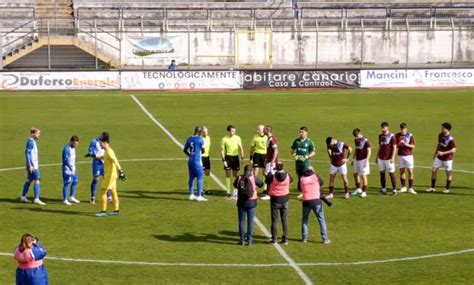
(403,181)
(410,183)
(25,188)
(104,200)
(115,199)
(73,189)
(357,185)
(433,183)
(393,180)
(206,182)
(94,184)
(37,190)
(364,188)
(331,189)
(382,180)
(227,184)
(65,186)
(346,188)
(199,185)
(448,184)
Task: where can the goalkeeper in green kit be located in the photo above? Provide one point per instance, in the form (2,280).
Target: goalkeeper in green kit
(302,149)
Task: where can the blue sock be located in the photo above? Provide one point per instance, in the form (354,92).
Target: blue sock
(66,185)
(109,194)
(200,181)
(73,189)
(37,190)
(25,188)
(94,187)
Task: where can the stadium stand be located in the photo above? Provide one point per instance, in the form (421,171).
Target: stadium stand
(97,26)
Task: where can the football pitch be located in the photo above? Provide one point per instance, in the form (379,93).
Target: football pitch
(163,238)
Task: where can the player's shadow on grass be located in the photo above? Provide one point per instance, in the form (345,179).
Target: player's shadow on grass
(163,195)
(224,237)
(52,211)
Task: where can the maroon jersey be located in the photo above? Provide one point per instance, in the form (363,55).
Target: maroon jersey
(362,145)
(446,143)
(337,153)
(271,146)
(402,149)
(387,144)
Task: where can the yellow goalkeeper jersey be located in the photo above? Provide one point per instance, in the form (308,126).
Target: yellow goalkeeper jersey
(111,165)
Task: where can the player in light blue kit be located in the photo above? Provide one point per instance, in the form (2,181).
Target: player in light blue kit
(96,152)
(32,168)
(70,177)
(194,148)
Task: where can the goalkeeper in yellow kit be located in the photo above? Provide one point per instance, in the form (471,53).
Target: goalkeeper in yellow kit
(112,171)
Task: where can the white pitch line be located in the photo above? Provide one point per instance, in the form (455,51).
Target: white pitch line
(217,180)
(311,264)
(182,158)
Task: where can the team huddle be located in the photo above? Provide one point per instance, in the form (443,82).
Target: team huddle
(104,164)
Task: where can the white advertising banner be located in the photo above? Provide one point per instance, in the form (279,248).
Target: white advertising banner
(417,78)
(185,80)
(59,80)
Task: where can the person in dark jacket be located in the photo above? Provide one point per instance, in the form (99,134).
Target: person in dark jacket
(247,206)
(279,191)
(311,189)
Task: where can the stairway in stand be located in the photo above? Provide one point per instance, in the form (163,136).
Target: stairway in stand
(59,14)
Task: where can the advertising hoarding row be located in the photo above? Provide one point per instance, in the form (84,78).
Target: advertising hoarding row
(247,79)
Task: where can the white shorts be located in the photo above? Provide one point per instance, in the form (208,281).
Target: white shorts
(406,161)
(341,169)
(361,167)
(269,168)
(386,165)
(446,164)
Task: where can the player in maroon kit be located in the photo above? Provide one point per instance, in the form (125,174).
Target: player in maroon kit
(443,157)
(386,158)
(360,162)
(405,145)
(338,164)
(271,156)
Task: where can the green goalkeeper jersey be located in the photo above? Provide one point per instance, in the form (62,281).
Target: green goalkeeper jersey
(303,147)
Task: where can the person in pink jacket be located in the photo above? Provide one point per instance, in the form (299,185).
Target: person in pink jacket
(29,254)
(311,189)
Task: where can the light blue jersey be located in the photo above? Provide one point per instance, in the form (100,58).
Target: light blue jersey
(31,154)
(69,160)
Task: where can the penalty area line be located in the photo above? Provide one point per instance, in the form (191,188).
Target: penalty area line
(280,250)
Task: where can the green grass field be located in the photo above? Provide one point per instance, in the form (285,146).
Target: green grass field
(165,237)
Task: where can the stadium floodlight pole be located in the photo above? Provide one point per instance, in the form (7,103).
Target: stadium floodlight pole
(452,42)
(408,43)
(1,46)
(189,45)
(49,45)
(317,44)
(362,42)
(95,45)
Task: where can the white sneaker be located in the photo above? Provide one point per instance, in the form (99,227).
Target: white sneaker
(363,195)
(192,197)
(25,200)
(266,197)
(446,191)
(66,202)
(412,191)
(430,190)
(403,190)
(201,199)
(383,191)
(300,196)
(358,191)
(39,202)
(74,200)
(330,196)
(394,193)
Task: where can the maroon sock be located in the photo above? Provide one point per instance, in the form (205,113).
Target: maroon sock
(393,179)
(403,181)
(433,183)
(364,188)
(382,179)
(331,189)
(357,185)
(346,188)
(448,184)
(410,183)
